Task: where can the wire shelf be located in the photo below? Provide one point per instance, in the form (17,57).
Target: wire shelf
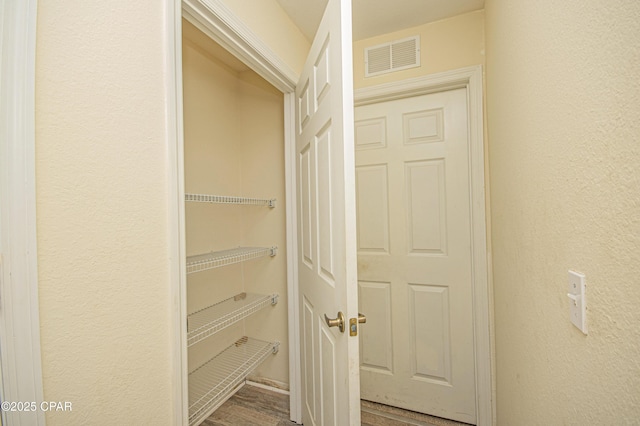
(210,384)
(216,259)
(225,199)
(208,321)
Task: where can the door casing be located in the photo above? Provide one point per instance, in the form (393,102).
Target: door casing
(220,24)
(20,353)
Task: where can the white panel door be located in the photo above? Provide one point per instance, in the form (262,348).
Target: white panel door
(414,254)
(327,265)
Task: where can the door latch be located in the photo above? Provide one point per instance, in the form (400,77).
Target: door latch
(353,324)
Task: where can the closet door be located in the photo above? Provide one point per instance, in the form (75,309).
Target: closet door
(327,264)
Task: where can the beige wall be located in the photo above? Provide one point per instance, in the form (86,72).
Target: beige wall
(263,174)
(101,167)
(445,45)
(563,106)
(212,160)
(274,27)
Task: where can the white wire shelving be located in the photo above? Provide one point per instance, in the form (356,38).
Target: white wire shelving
(225,199)
(213,382)
(210,320)
(216,259)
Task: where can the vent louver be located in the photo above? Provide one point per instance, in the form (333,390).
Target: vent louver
(394,56)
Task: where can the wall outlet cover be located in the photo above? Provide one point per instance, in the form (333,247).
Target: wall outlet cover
(578,300)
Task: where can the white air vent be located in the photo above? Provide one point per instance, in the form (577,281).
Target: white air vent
(394,56)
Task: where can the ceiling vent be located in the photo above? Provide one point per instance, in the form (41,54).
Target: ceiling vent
(394,56)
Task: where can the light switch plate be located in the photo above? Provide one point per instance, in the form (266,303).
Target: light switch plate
(578,300)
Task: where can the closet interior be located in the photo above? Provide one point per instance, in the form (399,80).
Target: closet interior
(235,226)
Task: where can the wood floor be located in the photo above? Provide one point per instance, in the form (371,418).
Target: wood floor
(252,405)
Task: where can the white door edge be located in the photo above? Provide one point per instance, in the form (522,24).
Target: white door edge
(469,78)
(215,19)
(19,313)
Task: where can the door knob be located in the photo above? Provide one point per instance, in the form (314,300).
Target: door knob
(336,322)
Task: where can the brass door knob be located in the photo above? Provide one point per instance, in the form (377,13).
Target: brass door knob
(336,322)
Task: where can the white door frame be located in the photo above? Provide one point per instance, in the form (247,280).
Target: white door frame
(469,79)
(175,190)
(19,316)
(218,22)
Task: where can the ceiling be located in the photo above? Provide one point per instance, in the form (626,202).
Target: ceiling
(375,17)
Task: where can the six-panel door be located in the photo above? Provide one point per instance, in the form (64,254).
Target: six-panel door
(326,223)
(414,254)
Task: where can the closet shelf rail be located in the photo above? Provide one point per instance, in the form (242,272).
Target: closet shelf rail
(216,259)
(210,320)
(225,199)
(213,382)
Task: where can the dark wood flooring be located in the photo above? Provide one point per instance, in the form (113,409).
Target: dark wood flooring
(254,406)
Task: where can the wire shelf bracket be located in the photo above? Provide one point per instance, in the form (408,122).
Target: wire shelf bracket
(210,320)
(226,199)
(212,383)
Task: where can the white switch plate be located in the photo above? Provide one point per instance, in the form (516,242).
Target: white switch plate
(578,300)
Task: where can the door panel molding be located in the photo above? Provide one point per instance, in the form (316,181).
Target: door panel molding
(470,79)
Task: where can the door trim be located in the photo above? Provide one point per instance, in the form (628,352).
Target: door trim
(20,321)
(175,207)
(469,79)
(218,22)
(295,368)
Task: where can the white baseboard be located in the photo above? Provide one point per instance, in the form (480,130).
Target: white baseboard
(271,387)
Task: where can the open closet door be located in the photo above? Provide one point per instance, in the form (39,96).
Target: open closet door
(327,262)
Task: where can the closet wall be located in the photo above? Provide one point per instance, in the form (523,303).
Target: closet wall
(233,126)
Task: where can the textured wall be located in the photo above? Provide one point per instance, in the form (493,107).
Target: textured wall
(102,211)
(563,105)
(445,45)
